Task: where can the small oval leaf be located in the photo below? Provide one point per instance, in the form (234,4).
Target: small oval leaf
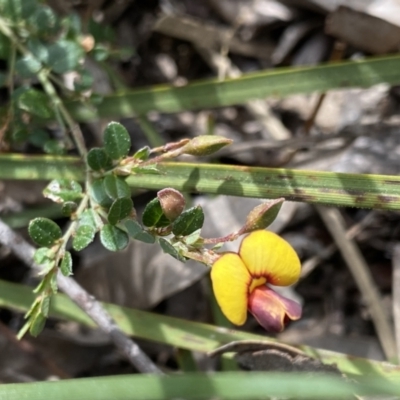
(37,324)
(45,306)
(44,231)
(153,215)
(98,193)
(136,231)
(84,235)
(189,221)
(98,159)
(66,264)
(117,141)
(68,208)
(91,218)
(116,187)
(62,190)
(43,255)
(113,238)
(169,249)
(142,154)
(27,67)
(120,209)
(64,56)
(35,102)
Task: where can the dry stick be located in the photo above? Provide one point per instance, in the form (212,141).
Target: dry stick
(396,295)
(362,276)
(84,300)
(309,265)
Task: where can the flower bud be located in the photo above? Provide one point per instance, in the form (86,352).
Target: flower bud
(172,203)
(205,145)
(262,216)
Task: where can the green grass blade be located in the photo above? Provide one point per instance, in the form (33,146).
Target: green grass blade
(20,166)
(214,93)
(180,333)
(223,385)
(326,188)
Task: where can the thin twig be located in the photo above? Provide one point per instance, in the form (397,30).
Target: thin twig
(84,300)
(309,265)
(396,295)
(358,267)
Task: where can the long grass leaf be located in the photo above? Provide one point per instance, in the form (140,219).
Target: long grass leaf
(326,188)
(196,386)
(180,333)
(214,93)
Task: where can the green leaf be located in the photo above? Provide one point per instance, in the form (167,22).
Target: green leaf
(113,238)
(153,215)
(42,255)
(27,67)
(38,137)
(100,52)
(91,218)
(142,154)
(64,56)
(84,81)
(62,190)
(189,221)
(120,209)
(169,249)
(136,231)
(72,22)
(66,264)
(277,82)
(37,324)
(98,193)
(54,146)
(45,306)
(38,49)
(84,235)
(194,239)
(36,102)
(98,159)
(117,141)
(17,10)
(44,21)
(116,187)
(44,231)
(68,208)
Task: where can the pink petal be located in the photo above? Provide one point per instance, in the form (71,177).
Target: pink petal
(272,310)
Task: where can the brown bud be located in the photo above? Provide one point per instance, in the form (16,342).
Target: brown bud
(172,203)
(205,145)
(87,42)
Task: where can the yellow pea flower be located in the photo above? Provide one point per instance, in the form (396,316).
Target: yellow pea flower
(239,281)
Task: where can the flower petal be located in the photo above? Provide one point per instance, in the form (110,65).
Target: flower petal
(272,310)
(267,254)
(230,280)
